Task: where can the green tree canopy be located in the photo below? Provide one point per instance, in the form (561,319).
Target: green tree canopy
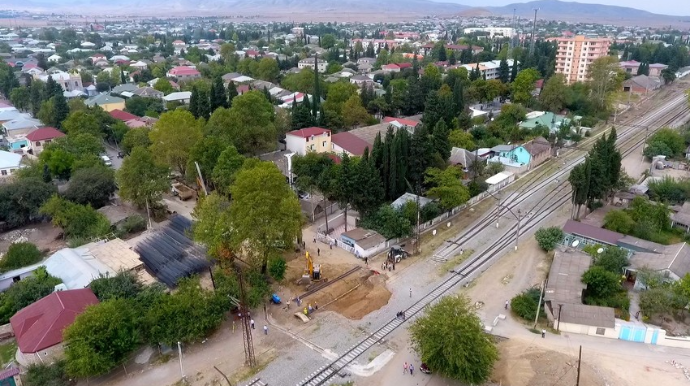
(447,187)
(666,142)
(21,200)
(140,179)
(25,292)
(389,222)
(18,255)
(229,162)
(91,186)
(601,283)
(549,238)
(136,137)
(101,338)
(77,221)
(468,356)
(123,285)
(523,85)
(172,138)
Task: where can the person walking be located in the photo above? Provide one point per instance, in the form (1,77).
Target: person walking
(405,368)
(251,322)
(265,329)
(366,261)
(318,252)
(506,304)
(288,303)
(543,333)
(411,369)
(410,291)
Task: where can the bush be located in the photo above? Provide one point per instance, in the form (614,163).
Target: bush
(20,255)
(549,238)
(133,224)
(525,304)
(25,292)
(47,375)
(124,285)
(276,268)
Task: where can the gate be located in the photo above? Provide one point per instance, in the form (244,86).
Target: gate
(632,333)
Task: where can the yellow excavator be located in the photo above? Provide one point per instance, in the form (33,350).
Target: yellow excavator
(312,271)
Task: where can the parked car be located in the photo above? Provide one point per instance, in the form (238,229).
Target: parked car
(106,160)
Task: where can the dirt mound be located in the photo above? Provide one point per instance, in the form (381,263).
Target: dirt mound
(524,365)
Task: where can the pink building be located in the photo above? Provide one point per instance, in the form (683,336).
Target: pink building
(184,73)
(575,54)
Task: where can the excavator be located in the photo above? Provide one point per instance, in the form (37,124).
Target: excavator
(311,272)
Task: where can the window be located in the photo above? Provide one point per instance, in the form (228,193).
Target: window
(601,331)
(38,143)
(3,172)
(323,144)
(47,141)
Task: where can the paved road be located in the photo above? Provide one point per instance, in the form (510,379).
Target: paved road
(112,153)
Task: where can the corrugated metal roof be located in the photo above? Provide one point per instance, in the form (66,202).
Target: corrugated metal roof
(591,232)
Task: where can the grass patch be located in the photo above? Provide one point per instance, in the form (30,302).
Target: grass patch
(7,351)
(454,261)
(261,363)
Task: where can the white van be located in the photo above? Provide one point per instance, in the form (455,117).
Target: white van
(106,160)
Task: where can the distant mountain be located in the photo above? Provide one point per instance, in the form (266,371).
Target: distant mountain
(226,7)
(561,10)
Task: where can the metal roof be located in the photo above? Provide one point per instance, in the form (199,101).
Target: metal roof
(591,232)
(565,277)
(595,316)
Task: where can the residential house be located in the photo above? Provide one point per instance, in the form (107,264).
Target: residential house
(68,81)
(488,69)
(106,102)
(97,57)
(139,65)
(311,139)
(457,48)
(309,63)
(9,163)
(361,79)
(23,124)
(539,149)
(514,157)
(124,90)
(122,115)
(9,113)
(409,197)
(462,158)
(671,261)
(178,46)
(148,92)
(641,84)
(42,136)
(365,68)
(181,96)
(363,242)
(348,143)
(184,73)
(39,327)
(655,69)
(631,66)
(546,119)
(407,122)
(390,68)
(10,376)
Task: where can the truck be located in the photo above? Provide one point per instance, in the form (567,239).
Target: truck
(182,191)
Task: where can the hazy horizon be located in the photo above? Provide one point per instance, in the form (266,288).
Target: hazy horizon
(664,7)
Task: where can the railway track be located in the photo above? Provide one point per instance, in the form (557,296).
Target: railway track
(554,199)
(329,282)
(257,382)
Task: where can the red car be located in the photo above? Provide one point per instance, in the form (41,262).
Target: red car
(424,368)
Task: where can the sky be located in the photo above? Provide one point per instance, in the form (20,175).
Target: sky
(665,7)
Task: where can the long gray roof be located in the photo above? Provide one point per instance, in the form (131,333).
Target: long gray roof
(565,277)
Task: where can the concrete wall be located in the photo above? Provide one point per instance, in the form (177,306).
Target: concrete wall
(47,356)
(610,333)
(295,144)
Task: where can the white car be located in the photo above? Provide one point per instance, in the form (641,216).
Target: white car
(106,160)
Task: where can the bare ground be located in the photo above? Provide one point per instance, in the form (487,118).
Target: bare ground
(46,237)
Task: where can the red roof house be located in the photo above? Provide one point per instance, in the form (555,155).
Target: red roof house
(44,133)
(308,132)
(40,325)
(346,142)
(184,73)
(402,121)
(122,115)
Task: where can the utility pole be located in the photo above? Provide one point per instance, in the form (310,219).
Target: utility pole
(517,232)
(249,358)
(201,178)
(512,35)
(558,328)
(534,31)
(579,362)
(541,293)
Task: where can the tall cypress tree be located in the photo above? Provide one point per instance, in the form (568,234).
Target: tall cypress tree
(441,143)
(402,142)
(218,96)
(232,93)
(203,104)
(385,166)
(392,192)
(52,88)
(194,102)
(458,98)
(504,71)
(317,87)
(514,71)
(368,190)
(60,108)
(377,152)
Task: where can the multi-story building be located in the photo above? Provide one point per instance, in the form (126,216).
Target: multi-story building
(489,70)
(575,54)
(501,31)
(311,139)
(309,63)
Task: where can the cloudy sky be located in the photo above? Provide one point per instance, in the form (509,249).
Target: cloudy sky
(667,7)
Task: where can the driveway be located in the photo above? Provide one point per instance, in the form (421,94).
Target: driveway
(111,151)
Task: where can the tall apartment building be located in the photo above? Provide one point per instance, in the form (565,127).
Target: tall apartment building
(575,54)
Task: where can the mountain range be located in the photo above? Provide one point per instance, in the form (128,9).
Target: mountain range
(548,9)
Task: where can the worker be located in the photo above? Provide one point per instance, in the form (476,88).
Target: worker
(310,308)
(288,303)
(305,311)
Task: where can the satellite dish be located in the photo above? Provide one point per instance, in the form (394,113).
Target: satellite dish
(600,250)
(575,243)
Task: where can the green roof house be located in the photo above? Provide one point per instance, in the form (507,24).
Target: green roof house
(544,118)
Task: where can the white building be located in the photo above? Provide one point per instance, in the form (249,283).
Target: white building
(489,69)
(9,163)
(501,31)
(309,63)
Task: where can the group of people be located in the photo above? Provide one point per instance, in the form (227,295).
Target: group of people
(400,315)
(409,367)
(387,265)
(309,309)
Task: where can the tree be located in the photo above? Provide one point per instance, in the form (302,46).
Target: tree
(549,238)
(668,76)
(21,200)
(524,85)
(504,71)
(447,187)
(461,139)
(163,85)
(77,221)
(21,98)
(605,77)
(172,138)
(353,112)
(468,356)
(601,283)
(656,301)
(18,255)
(338,94)
(101,338)
(123,285)
(388,222)
(526,304)
(140,180)
(91,186)
(46,113)
(666,142)
(268,69)
(82,122)
(612,259)
(442,144)
(368,190)
(142,106)
(26,292)
(248,124)
(137,137)
(60,108)
(218,97)
(554,95)
(619,221)
(47,375)
(229,162)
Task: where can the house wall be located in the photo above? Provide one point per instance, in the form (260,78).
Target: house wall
(339,150)
(7,172)
(518,154)
(296,144)
(47,356)
(539,159)
(113,106)
(610,333)
(37,146)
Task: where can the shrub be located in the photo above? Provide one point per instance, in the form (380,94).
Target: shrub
(276,268)
(133,224)
(549,238)
(525,304)
(47,375)
(20,255)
